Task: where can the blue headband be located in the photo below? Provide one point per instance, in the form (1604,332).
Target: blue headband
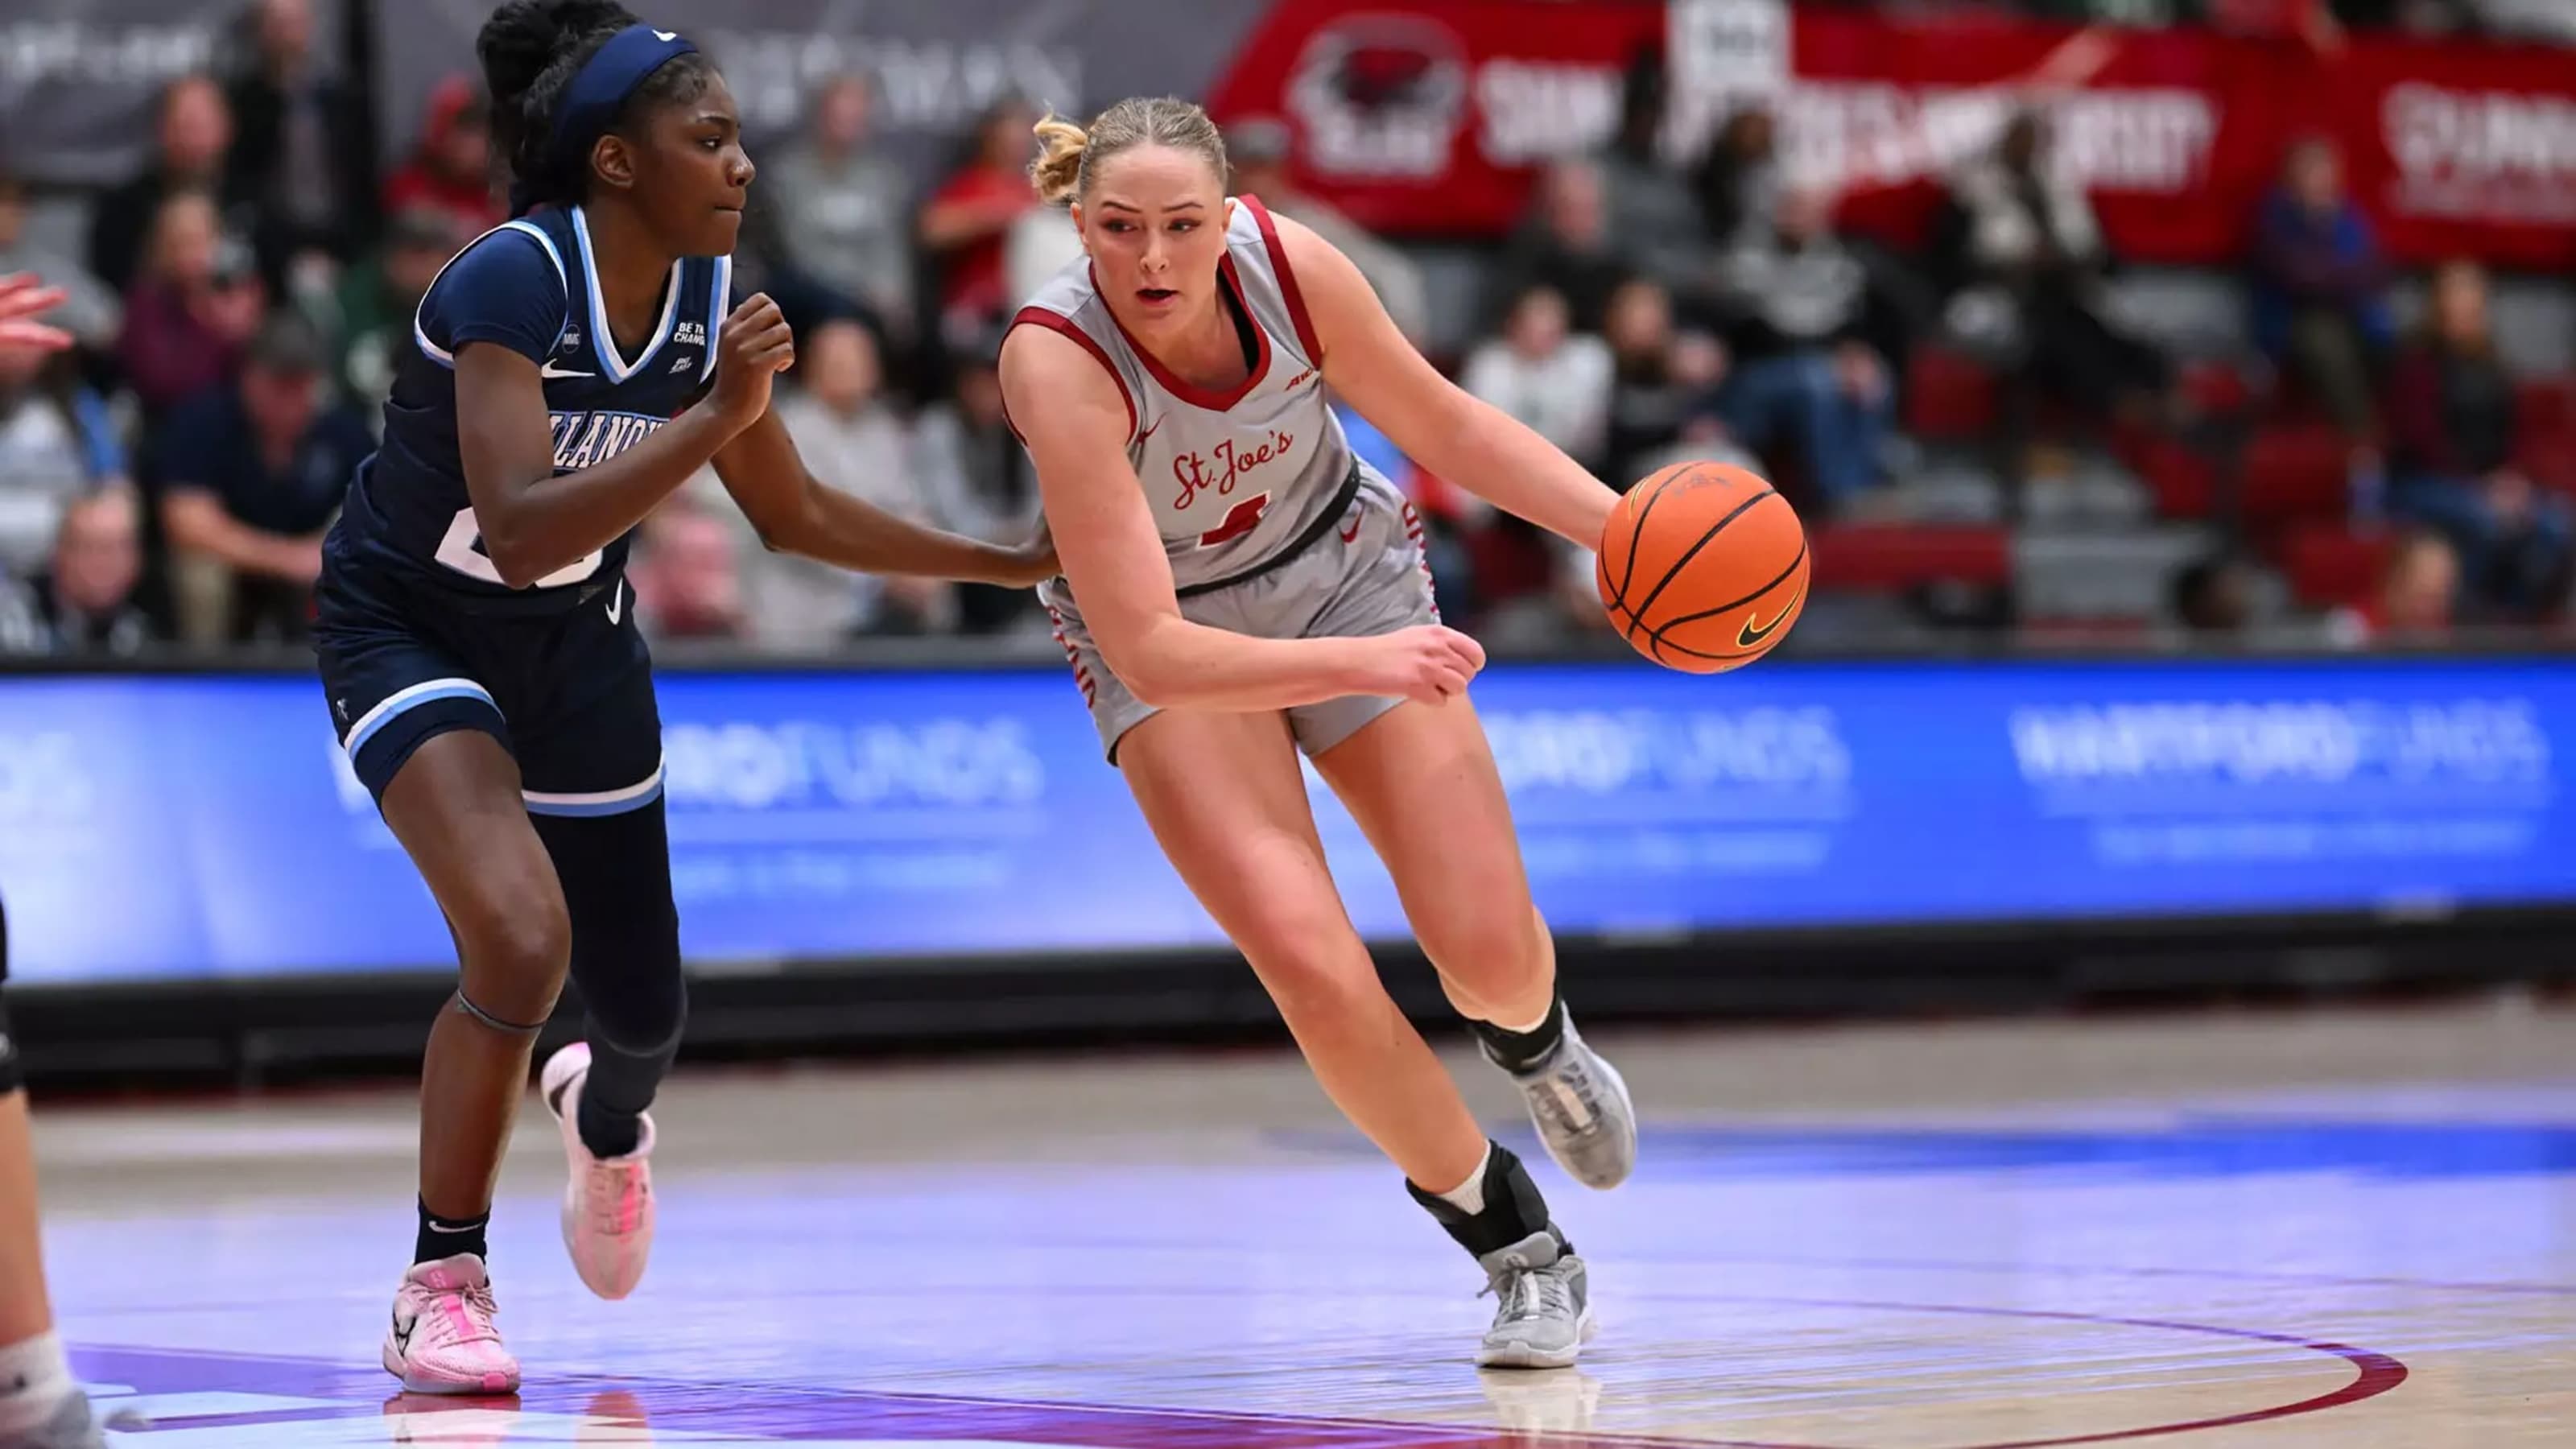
(600,88)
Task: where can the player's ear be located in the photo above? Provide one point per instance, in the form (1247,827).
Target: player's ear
(1076,213)
(1228,225)
(612,160)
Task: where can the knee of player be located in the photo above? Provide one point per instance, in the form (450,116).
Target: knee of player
(1493,952)
(518,944)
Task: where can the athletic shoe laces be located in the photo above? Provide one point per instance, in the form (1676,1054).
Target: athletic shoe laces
(616,1201)
(466,1316)
(1570,1100)
(1530,1293)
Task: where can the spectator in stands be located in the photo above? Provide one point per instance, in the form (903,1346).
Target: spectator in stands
(1564,245)
(2453,436)
(1698,366)
(1739,178)
(2414,601)
(1261,149)
(840,215)
(2418,595)
(1559,383)
(372,319)
(89,311)
(2018,237)
(2320,293)
(450,169)
(82,602)
(687,575)
(249,477)
(971,466)
(1799,303)
(1649,403)
(303,154)
(193,306)
(195,132)
(1655,221)
(853,439)
(1546,375)
(2215,595)
(967,218)
(57,444)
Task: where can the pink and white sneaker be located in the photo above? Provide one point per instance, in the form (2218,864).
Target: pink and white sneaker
(608,1205)
(442,1340)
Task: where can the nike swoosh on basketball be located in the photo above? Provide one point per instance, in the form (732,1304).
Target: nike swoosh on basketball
(1748,636)
(550,370)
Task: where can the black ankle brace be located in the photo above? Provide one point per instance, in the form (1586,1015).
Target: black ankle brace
(1513,1208)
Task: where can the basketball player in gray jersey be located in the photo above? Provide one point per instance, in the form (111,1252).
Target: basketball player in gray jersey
(1239,586)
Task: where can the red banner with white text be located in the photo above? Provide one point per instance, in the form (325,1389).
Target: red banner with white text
(1429,117)
(2462,149)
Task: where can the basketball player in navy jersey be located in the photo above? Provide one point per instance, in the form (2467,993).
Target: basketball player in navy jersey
(478,640)
(1240,587)
(41,1405)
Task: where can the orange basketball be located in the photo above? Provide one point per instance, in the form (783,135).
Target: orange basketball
(1703,567)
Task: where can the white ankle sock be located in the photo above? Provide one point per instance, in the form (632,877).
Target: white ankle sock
(1469,1197)
(34,1380)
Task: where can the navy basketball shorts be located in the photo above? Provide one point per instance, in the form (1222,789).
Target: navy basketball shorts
(568,693)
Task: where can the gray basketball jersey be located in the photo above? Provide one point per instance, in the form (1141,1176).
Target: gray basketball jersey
(1235,476)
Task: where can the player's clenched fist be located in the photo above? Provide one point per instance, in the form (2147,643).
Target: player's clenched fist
(756,346)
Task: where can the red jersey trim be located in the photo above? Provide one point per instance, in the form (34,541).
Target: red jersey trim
(1058,322)
(1287,280)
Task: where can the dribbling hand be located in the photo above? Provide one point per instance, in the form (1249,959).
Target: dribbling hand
(1428,662)
(756,347)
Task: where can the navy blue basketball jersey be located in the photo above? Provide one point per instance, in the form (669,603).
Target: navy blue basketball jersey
(528,285)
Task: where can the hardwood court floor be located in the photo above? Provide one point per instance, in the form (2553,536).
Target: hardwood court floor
(2351,1228)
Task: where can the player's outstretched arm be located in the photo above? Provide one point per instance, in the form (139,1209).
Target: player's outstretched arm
(1069,413)
(1438,424)
(534,522)
(795,512)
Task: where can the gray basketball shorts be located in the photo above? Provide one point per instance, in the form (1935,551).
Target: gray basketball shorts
(1367,576)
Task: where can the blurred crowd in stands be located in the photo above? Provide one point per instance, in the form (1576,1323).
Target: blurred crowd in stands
(1982,431)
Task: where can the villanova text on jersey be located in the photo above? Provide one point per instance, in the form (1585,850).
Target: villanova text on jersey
(530,286)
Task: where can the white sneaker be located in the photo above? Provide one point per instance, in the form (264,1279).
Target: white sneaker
(608,1205)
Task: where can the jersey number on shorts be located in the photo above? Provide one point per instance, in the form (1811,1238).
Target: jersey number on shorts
(1239,520)
(459,551)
